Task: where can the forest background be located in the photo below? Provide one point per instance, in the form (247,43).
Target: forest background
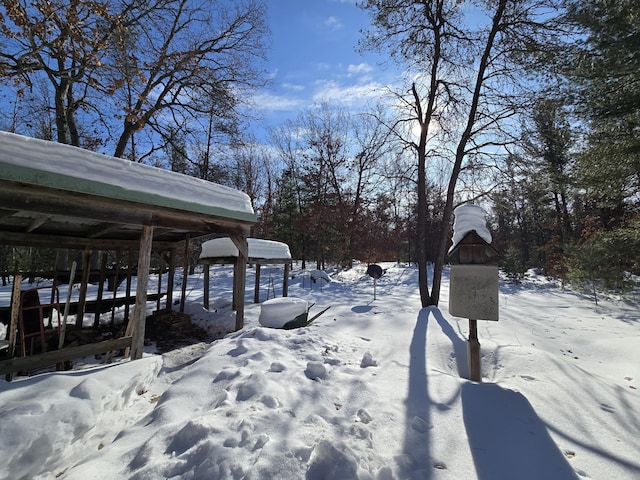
(530,108)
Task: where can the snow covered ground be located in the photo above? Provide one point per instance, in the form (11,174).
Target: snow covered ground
(370,390)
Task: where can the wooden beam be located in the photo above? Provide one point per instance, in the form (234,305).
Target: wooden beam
(240,277)
(138,319)
(15,312)
(206,285)
(185,272)
(256,287)
(54,357)
(36,222)
(285,282)
(86,270)
(73,243)
(172,273)
(159,282)
(103,228)
(103,268)
(129,281)
(54,202)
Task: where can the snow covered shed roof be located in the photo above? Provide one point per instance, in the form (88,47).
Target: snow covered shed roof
(58,195)
(258,249)
(471,237)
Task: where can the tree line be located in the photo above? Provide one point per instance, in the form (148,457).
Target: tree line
(527,107)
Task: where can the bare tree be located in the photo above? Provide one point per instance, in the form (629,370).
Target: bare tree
(199,57)
(332,160)
(462,57)
(62,41)
(135,64)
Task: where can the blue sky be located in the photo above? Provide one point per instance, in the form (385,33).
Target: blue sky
(313,58)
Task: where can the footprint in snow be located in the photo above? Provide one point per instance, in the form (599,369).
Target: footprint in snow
(315,370)
(368,361)
(363,416)
(277,367)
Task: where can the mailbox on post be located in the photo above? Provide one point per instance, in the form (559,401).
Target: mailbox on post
(473,290)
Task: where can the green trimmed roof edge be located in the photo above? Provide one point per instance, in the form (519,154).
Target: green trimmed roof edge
(40,178)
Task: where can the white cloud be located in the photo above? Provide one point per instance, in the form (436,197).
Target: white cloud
(356,95)
(267,101)
(333,23)
(292,87)
(360,68)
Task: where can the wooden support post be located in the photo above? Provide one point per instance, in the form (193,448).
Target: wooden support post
(160,268)
(63,327)
(206,267)
(103,269)
(86,270)
(114,289)
(185,272)
(15,313)
(170,277)
(285,282)
(129,275)
(473,352)
(136,326)
(239,278)
(54,287)
(256,288)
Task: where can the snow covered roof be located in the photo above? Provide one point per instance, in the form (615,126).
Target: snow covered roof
(468,218)
(258,249)
(56,189)
(56,165)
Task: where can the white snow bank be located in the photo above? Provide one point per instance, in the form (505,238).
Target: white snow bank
(79,407)
(469,217)
(375,390)
(275,313)
(319,275)
(258,248)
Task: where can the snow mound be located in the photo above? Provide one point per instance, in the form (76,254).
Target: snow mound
(468,218)
(275,313)
(258,248)
(319,275)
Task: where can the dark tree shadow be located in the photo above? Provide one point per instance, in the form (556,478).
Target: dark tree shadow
(416,461)
(459,344)
(507,438)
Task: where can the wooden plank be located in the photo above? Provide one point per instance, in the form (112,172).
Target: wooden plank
(60,356)
(172,273)
(66,241)
(86,267)
(129,280)
(15,311)
(103,269)
(239,278)
(185,272)
(137,321)
(206,285)
(285,282)
(256,288)
(67,302)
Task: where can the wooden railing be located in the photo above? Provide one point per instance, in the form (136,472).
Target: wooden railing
(32,362)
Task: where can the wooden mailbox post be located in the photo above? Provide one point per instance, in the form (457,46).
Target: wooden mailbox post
(473,289)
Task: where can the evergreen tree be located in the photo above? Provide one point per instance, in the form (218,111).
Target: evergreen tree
(602,70)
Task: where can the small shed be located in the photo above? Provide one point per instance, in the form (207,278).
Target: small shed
(59,196)
(261,252)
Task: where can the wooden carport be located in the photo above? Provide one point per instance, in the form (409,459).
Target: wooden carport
(261,252)
(58,196)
